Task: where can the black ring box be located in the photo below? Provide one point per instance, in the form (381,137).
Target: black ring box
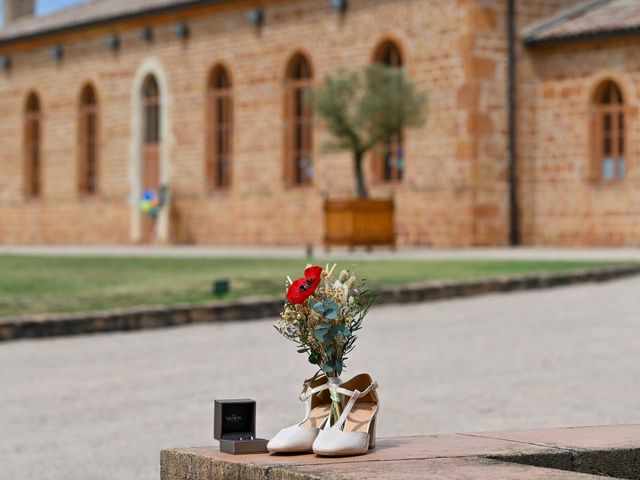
(234,425)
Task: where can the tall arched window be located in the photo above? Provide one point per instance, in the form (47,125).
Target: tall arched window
(609,133)
(88,141)
(150,146)
(220,131)
(298,123)
(388,163)
(151,110)
(32,150)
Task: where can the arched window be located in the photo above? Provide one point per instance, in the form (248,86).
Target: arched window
(220,131)
(151,107)
(88,141)
(298,123)
(388,163)
(388,54)
(32,151)
(609,133)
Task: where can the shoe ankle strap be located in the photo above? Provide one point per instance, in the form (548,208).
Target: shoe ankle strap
(354,394)
(308,392)
(357,393)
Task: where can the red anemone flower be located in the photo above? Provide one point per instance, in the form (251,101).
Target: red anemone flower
(302,288)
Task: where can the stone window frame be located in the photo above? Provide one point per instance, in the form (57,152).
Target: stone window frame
(298,121)
(389,51)
(88,140)
(32,144)
(150,66)
(220,129)
(608,101)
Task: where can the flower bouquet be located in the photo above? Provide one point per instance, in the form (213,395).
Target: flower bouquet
(321,315)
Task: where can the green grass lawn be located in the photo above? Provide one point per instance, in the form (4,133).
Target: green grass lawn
(63,284)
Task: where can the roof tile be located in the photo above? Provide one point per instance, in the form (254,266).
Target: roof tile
(95,11)
(588,19)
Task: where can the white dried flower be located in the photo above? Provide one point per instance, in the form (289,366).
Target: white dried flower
(344,276)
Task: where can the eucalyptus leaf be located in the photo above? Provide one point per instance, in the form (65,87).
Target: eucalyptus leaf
(319,334)
(330,313)
(331,309)
(318,307)
(329,303)
(344,330)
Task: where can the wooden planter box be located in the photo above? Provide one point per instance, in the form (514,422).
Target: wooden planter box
(359,222)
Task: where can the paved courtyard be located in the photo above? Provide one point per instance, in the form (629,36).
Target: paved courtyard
(102,407)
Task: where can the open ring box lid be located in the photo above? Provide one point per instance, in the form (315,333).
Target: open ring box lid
(234,425)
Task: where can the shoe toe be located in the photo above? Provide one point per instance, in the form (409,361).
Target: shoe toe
(334,442)
(293,439)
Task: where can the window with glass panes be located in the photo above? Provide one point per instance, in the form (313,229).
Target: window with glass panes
(298,123)
(220,130)
(88,141)
(388,160)
(609,135)
(32,150)
(151,111)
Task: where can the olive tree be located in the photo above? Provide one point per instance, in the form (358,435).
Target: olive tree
(367,109)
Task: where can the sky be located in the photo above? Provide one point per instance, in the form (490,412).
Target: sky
(47,6)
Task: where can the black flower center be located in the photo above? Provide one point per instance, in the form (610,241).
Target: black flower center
(307,285)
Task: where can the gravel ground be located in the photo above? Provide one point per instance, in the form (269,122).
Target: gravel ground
(103,406)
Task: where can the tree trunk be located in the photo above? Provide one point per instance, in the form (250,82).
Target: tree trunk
(361,188)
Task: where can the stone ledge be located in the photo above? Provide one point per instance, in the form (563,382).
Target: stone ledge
(47,325)
(563,453)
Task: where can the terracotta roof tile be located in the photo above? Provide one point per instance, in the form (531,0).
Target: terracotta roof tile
(587,20)
(92,12)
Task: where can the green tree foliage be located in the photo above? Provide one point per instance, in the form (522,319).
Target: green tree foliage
(367,109)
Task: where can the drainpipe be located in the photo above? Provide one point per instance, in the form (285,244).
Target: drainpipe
(514,217)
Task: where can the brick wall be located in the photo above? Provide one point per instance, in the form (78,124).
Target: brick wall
(454,192)
(570,207)
(435,202)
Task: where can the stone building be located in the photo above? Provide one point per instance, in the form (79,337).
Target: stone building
(529,138)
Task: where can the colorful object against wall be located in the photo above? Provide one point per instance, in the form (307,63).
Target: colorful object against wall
(150,203)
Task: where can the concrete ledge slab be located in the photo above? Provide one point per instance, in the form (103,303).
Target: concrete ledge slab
(431,469)
(575,438)
(565,453)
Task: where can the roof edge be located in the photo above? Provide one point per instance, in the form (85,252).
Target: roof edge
(528,34)
(104,20)
(582,37)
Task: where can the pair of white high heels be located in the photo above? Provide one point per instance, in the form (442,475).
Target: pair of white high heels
(354,433)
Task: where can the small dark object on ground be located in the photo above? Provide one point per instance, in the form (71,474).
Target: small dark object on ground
(220,287)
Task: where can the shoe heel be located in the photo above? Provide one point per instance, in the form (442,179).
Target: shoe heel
(372,434)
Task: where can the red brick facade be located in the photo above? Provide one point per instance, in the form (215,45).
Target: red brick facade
(454,191)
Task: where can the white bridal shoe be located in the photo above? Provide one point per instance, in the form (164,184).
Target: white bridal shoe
(355,431)
(300,437)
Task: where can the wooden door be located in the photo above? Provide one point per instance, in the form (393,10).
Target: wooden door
(150,151)
(150,181)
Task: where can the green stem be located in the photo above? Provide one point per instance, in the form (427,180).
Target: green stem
(336,406)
